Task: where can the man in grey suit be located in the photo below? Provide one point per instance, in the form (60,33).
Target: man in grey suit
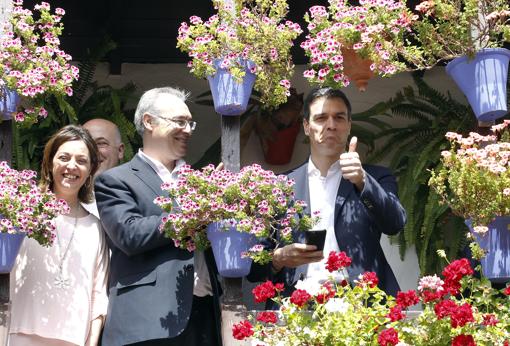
(158,294)
(357,203)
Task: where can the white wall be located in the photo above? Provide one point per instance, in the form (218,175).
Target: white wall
(147,76)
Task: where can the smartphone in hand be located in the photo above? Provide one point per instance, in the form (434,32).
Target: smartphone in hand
(316,237)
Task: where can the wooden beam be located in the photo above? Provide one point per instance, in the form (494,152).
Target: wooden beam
(6,141)
(230,142)
(232,307)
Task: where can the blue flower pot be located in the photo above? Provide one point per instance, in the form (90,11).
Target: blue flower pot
(228,245)
(496,264)
(230,97)
(9,248)
(483,81)
(9,102)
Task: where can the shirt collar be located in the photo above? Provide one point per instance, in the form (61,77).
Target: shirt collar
(314,171)
(158,167)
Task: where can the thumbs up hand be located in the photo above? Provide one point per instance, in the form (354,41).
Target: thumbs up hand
(351,167)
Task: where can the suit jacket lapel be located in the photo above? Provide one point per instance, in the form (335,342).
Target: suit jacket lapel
(344,190)
(302,192)
(146,174)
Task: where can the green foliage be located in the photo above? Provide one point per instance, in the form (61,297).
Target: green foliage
(414,150)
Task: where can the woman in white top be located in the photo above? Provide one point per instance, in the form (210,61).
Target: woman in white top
(59,293)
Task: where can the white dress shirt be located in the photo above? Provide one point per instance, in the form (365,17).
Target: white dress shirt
(202,284)
(323,191)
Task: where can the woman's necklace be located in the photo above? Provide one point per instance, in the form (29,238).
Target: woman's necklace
(61,280)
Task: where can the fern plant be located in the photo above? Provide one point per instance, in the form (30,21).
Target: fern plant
(414,150)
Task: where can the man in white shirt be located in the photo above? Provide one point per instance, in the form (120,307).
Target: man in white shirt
(356,202)
(158,294)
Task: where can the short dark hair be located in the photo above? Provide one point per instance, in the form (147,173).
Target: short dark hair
(328,93)
(66,134)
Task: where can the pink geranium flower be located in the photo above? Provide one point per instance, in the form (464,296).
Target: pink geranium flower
(25,208)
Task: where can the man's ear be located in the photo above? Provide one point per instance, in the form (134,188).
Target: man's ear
(121,151)
(148,121)
(306,127)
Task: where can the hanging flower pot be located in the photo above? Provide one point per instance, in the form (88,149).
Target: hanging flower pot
(230,96)
(9,101)
(356,68)
(278,149)
(496,264)
(483,81)
(9,248)
(228,247)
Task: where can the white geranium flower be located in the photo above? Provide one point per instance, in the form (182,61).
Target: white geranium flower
(312,333)
(337,305)
(312,287)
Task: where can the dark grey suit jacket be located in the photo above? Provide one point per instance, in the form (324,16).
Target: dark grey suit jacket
(360,219)
(150,281)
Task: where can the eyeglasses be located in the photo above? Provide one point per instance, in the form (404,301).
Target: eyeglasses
(181,123)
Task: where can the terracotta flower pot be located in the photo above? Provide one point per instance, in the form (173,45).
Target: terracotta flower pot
(357,68)
(278,150)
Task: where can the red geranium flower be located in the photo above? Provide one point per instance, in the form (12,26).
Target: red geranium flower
(454,272)
(463,340)
(337,260)
(444,308)
(369,279)
(265,291)
(396,313)
(300,297)
(327,292)
(242,330)
(507,291)
(429,296)
(461,315)
(407,299)
(490,320)
(267,317)
(388,337)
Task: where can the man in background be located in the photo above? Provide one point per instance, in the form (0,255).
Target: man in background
(109,142)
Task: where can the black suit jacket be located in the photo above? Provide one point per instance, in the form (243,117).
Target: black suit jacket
(360,219)
(151,281)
